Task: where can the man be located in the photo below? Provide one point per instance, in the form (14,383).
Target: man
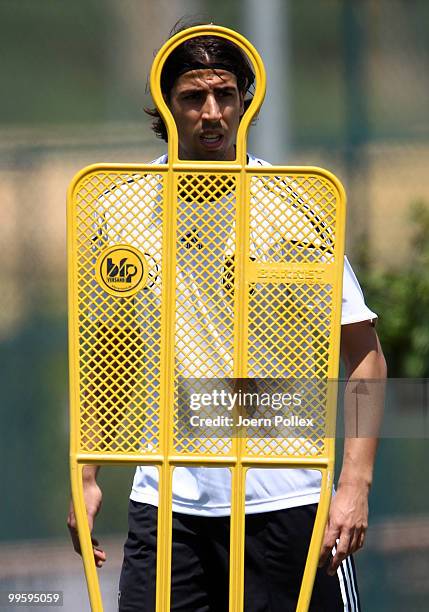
(204,82)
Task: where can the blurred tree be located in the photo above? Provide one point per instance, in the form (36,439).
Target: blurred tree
(401,297)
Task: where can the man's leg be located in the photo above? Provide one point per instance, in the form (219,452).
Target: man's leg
(276,550)
(137,583)
(197,576)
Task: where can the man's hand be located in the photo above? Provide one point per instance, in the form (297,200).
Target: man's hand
(347,525)
(93,498)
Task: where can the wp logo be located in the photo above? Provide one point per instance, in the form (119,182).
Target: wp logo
(121,273)
(122,270)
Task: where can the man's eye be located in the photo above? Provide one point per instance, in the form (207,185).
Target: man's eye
(192,96)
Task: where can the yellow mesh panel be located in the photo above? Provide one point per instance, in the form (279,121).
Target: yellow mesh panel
(293,221)
(290,256)
(178,275)
(119,337)
(204,321)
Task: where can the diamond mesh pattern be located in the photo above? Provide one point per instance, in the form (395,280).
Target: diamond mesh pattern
(298,349)
(292,223)
(292,219)
(205,243)
(119,337)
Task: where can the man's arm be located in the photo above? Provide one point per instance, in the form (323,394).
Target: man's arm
(93,497)
(348,514)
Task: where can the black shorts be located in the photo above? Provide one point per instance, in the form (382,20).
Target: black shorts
(275,554)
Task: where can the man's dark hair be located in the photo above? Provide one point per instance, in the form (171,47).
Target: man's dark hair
(202,52)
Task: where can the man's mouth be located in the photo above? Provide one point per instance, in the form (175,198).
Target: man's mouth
(211,141)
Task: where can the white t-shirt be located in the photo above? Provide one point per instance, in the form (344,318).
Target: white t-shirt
(205,491)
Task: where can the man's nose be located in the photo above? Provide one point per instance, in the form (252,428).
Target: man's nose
(211,109)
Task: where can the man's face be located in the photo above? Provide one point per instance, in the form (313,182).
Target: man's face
(206,106)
